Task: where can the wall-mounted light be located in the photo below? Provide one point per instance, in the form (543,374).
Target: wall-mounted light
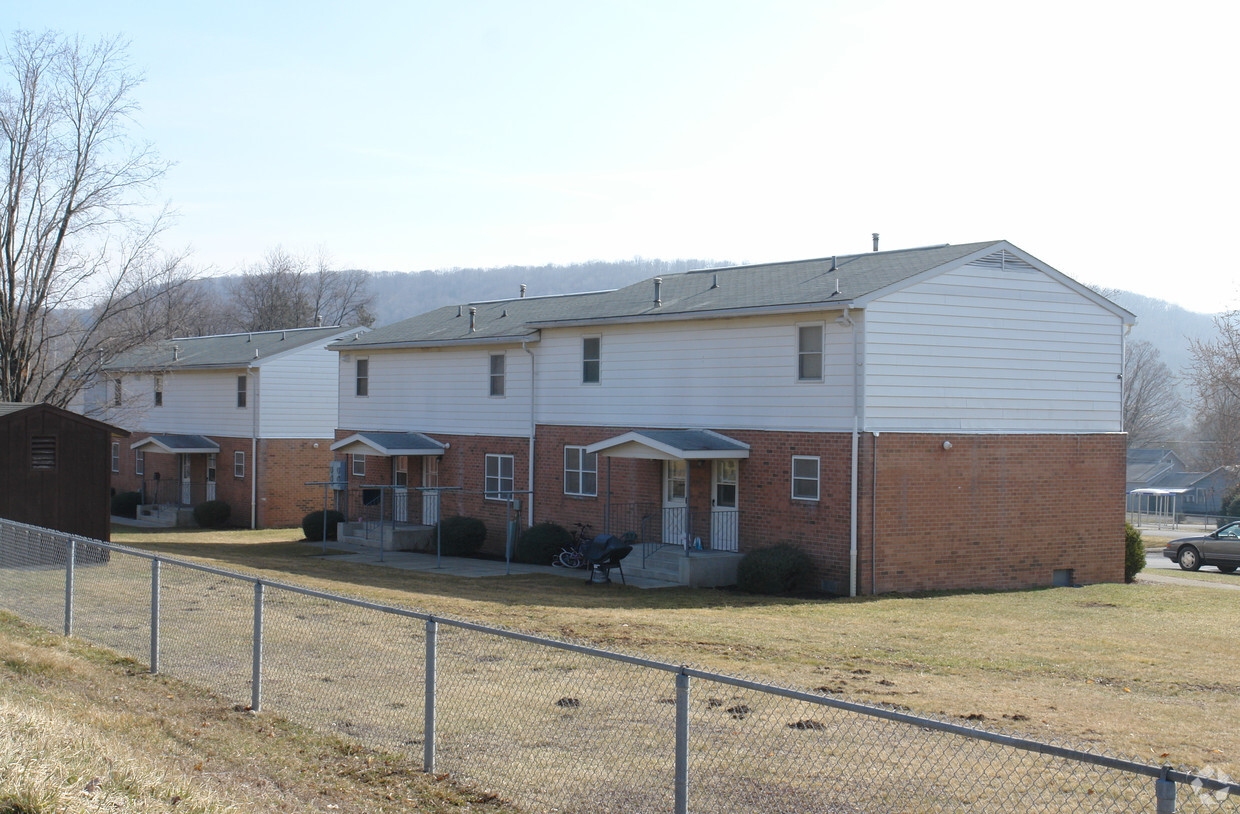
(947,445)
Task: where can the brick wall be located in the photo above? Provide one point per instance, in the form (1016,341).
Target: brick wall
(285,466)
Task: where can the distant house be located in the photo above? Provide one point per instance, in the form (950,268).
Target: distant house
(911,418)
(246,418)
(1159,482)
(55,469)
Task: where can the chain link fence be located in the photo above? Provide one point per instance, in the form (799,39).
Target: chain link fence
(553,725)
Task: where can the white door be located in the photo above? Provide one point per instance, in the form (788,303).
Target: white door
(430,499)
(400,478)
(723,512)
(187,496)
(210,476)
(675,502)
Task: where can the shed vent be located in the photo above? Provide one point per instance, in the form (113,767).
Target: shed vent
(43,452)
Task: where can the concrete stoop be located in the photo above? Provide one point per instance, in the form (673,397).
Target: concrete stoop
(697,569)
(155,514)
(400,538)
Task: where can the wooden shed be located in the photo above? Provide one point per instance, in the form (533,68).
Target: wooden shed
(54,469)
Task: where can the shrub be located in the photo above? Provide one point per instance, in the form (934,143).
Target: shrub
(212,514)
(542,543)
(780,569)
(1231,502)
(312,524)
(461,536)
(1134,552)
(126,504)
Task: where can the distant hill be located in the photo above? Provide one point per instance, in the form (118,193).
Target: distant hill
(1164,325)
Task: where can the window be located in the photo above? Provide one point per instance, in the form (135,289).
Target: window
(362,378)
(211,457)
(499,477)
(43,452)
(359,465)
(497,374)
(590,348)
(116,456)
(241,391)
(238,464)
(580,472)
(809,353)
(400,470)
(159,391)
(118,394)
(139,462)
(804,478)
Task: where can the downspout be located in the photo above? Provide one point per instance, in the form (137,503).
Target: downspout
(254,451)
(856,431)
(529,497)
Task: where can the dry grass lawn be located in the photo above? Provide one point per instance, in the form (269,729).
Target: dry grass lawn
(1147,671)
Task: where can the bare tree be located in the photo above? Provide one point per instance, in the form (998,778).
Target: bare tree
(74,260)
(1152,407)
(1215,377)
(285,291)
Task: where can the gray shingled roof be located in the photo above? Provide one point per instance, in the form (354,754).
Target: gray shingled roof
(763,286)
(177,443)
(220,350)
(393,443)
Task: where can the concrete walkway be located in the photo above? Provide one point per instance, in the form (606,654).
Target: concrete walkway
(468,566)
(1162,578)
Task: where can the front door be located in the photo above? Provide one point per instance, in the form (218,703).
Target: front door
(400,479)
(430,494)
(675,502)
(210,476)
(723,507)
(187,495)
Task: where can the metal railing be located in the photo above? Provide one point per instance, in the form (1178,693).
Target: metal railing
(553,724)
(177,493)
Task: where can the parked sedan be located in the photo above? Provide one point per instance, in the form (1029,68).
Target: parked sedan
(1220,548)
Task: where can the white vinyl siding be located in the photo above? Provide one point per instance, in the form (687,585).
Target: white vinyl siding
(198,402)
(298,395)
(987,350)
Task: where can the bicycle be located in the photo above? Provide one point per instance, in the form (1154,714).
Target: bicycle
(571,556)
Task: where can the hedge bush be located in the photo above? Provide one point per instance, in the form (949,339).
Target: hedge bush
(461,536)
(779,569)
(1134,552)
(126,504)
(1231,502)
(540,544)
(312,524)
(213,514)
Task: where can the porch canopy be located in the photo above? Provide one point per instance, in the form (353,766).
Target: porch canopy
(671,445)
(173,444)
(389,444)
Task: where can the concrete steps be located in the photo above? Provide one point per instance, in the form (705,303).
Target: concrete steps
(697,569)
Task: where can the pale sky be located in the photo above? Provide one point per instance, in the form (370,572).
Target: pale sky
(1099,136)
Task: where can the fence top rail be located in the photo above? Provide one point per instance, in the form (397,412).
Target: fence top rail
(868,710)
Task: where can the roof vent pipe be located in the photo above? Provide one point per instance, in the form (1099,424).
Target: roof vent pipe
(837,285)
(458,310)
(473,319)
(658,289)
(256,353)
(834,265)
(522,290)
(283,335)
(318,320)
(176,353)
(875,236)
(714,283)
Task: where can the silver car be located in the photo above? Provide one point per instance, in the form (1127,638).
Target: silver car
(1220,548)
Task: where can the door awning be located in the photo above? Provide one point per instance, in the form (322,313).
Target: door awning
(189,444)
(389,444)
(671,445)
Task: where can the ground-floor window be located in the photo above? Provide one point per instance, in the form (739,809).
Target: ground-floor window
(499,469)
(580,472)
(116,456)
(804,477)
(359,465)
(139,462)
(239,464)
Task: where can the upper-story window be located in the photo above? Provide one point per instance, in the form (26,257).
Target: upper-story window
(809,353)
(118,392)
(591,360)
(159,391)
(497,374)
(241,391)
(362,378)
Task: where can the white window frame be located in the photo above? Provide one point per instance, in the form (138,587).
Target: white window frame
(802,353)
(118,392)
(361,377)
(239,464)
(359,465)
(577,469)
(159,390)
(242,393)
(116,454)
(139,462)
(816,480)
(596,360)
(494,479)
(497,378)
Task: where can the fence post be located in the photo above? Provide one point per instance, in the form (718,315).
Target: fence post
(682,742)
(1164,792)
(256,681)
(155,615)
(71,556)
(428,723)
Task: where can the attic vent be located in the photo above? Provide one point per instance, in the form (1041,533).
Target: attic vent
(1002,260)
(43,452)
